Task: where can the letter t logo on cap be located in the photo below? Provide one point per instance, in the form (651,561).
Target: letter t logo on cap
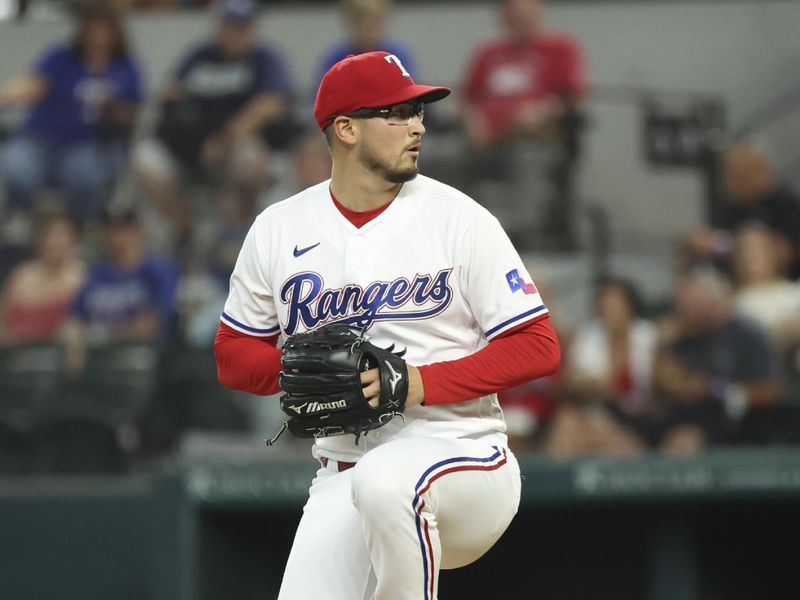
(391,58)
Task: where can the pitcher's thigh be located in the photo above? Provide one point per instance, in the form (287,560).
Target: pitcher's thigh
(329,558)
(471,487)
(475,509)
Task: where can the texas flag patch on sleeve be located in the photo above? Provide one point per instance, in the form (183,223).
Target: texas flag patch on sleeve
(516,283)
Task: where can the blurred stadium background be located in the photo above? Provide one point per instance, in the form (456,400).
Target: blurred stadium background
(661,207)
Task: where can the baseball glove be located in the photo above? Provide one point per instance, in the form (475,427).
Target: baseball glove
(322,387)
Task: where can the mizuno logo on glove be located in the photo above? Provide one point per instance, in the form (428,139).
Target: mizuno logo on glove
(321,381)
(396,377)
(318,406)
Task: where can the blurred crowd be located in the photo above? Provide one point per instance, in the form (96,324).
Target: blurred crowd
(117,234)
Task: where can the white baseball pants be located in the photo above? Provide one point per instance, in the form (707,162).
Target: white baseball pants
(383,529)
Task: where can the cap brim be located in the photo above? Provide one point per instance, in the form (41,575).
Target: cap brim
(425,93)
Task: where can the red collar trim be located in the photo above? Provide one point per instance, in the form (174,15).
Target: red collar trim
(358,219)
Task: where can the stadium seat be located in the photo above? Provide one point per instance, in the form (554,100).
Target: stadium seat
(95,425)
(29,383)
(197,396)
(29,376)
(116,385)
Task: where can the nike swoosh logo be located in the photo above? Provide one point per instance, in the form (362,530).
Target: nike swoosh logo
(396,377)
(301,251)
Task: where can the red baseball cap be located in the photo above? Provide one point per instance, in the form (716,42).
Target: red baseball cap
(368,80)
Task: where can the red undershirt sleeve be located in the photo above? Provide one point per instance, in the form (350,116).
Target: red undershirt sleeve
(531,350)
(247,363)
(521,354)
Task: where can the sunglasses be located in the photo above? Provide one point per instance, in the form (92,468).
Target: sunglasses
(397,114)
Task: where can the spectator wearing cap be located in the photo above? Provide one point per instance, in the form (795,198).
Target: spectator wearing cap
(228,101)
(83,98)
(366,22)
(128,296)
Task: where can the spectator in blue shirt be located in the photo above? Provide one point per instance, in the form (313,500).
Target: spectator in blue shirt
(129,296)
(227,102)
(366,22)
(712,366)
(83,99)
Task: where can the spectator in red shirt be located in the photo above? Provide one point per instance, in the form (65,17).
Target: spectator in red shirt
(523,83)
(521,118)
(35,299)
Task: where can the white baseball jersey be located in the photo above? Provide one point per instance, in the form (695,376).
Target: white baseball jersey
(434,273)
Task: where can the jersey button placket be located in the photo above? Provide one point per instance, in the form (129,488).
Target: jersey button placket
(355,259)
